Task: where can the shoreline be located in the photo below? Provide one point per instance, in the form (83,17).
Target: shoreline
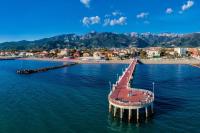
(80,61)
(143,61)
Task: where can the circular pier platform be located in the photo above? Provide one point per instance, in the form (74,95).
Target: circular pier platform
(122,97)
(131,99)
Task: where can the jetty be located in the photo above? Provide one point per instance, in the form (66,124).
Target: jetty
(31,71)
(9,58)
(122,98)
(195,65)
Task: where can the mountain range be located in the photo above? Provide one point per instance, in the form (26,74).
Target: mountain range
(106,40)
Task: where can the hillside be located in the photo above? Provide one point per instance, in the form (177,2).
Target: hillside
(107,40)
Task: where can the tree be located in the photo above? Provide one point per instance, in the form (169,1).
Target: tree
(163,52)
(143,54)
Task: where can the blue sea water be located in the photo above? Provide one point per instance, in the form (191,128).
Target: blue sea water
(74,99)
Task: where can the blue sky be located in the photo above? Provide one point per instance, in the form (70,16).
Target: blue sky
(34,19)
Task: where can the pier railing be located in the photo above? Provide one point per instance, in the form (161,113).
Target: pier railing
(123,83)
(128,103)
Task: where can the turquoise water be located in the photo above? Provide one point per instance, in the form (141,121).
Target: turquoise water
(74,99)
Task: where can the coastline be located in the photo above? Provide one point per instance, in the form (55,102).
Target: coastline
(143,61)
(80,61)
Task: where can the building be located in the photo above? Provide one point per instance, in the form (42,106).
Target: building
(194,52)
(76,54)
(97,55)
(181,51)
(63,52)
(151,53)
(86,55)
(29,54)
(22,54)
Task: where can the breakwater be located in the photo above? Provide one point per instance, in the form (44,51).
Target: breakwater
(8,58)
(31,71)
(196,65)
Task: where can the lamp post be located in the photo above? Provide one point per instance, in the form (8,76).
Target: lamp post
(153,89)
(110,86)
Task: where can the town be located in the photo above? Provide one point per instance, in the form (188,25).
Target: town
(102,54)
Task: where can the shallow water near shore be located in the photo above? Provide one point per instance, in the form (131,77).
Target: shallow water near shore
(74,99)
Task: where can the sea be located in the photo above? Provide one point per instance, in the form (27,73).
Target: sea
(75,99)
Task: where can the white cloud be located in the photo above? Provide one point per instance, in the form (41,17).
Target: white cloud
(116,13)
(91,20)
(86,3)
(142,15)
(106,22)
(113,22)
(169,11)
(188,5)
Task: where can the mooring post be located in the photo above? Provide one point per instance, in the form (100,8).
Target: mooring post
(153,90)
(152,108)
(110,108)
(129,114)
(138,115)
(115,110)
(110,86)
(146,110)
(121,113)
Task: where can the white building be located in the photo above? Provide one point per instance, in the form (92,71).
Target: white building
(29,54)
(153,53)
(22,54)
(181,51)
(97,55)
(63,52)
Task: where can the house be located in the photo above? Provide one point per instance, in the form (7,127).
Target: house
(121,54)
(151,53)
(63,52)
(86,55)
(29,54)
(194,52)
(22,54)
(97,55)
(109,54)
(2,53)
(76,54)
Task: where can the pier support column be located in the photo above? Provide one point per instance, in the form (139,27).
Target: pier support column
(115,111)
(138,115)
(152,108)
(146,110)
(121,113)
(110,107)
(129,114)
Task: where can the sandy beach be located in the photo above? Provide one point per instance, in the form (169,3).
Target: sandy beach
(81,61)
(144,61)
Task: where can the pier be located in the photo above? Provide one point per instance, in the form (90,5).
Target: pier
(31,71)
(124,98)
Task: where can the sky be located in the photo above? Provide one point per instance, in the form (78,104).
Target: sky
(34,19)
